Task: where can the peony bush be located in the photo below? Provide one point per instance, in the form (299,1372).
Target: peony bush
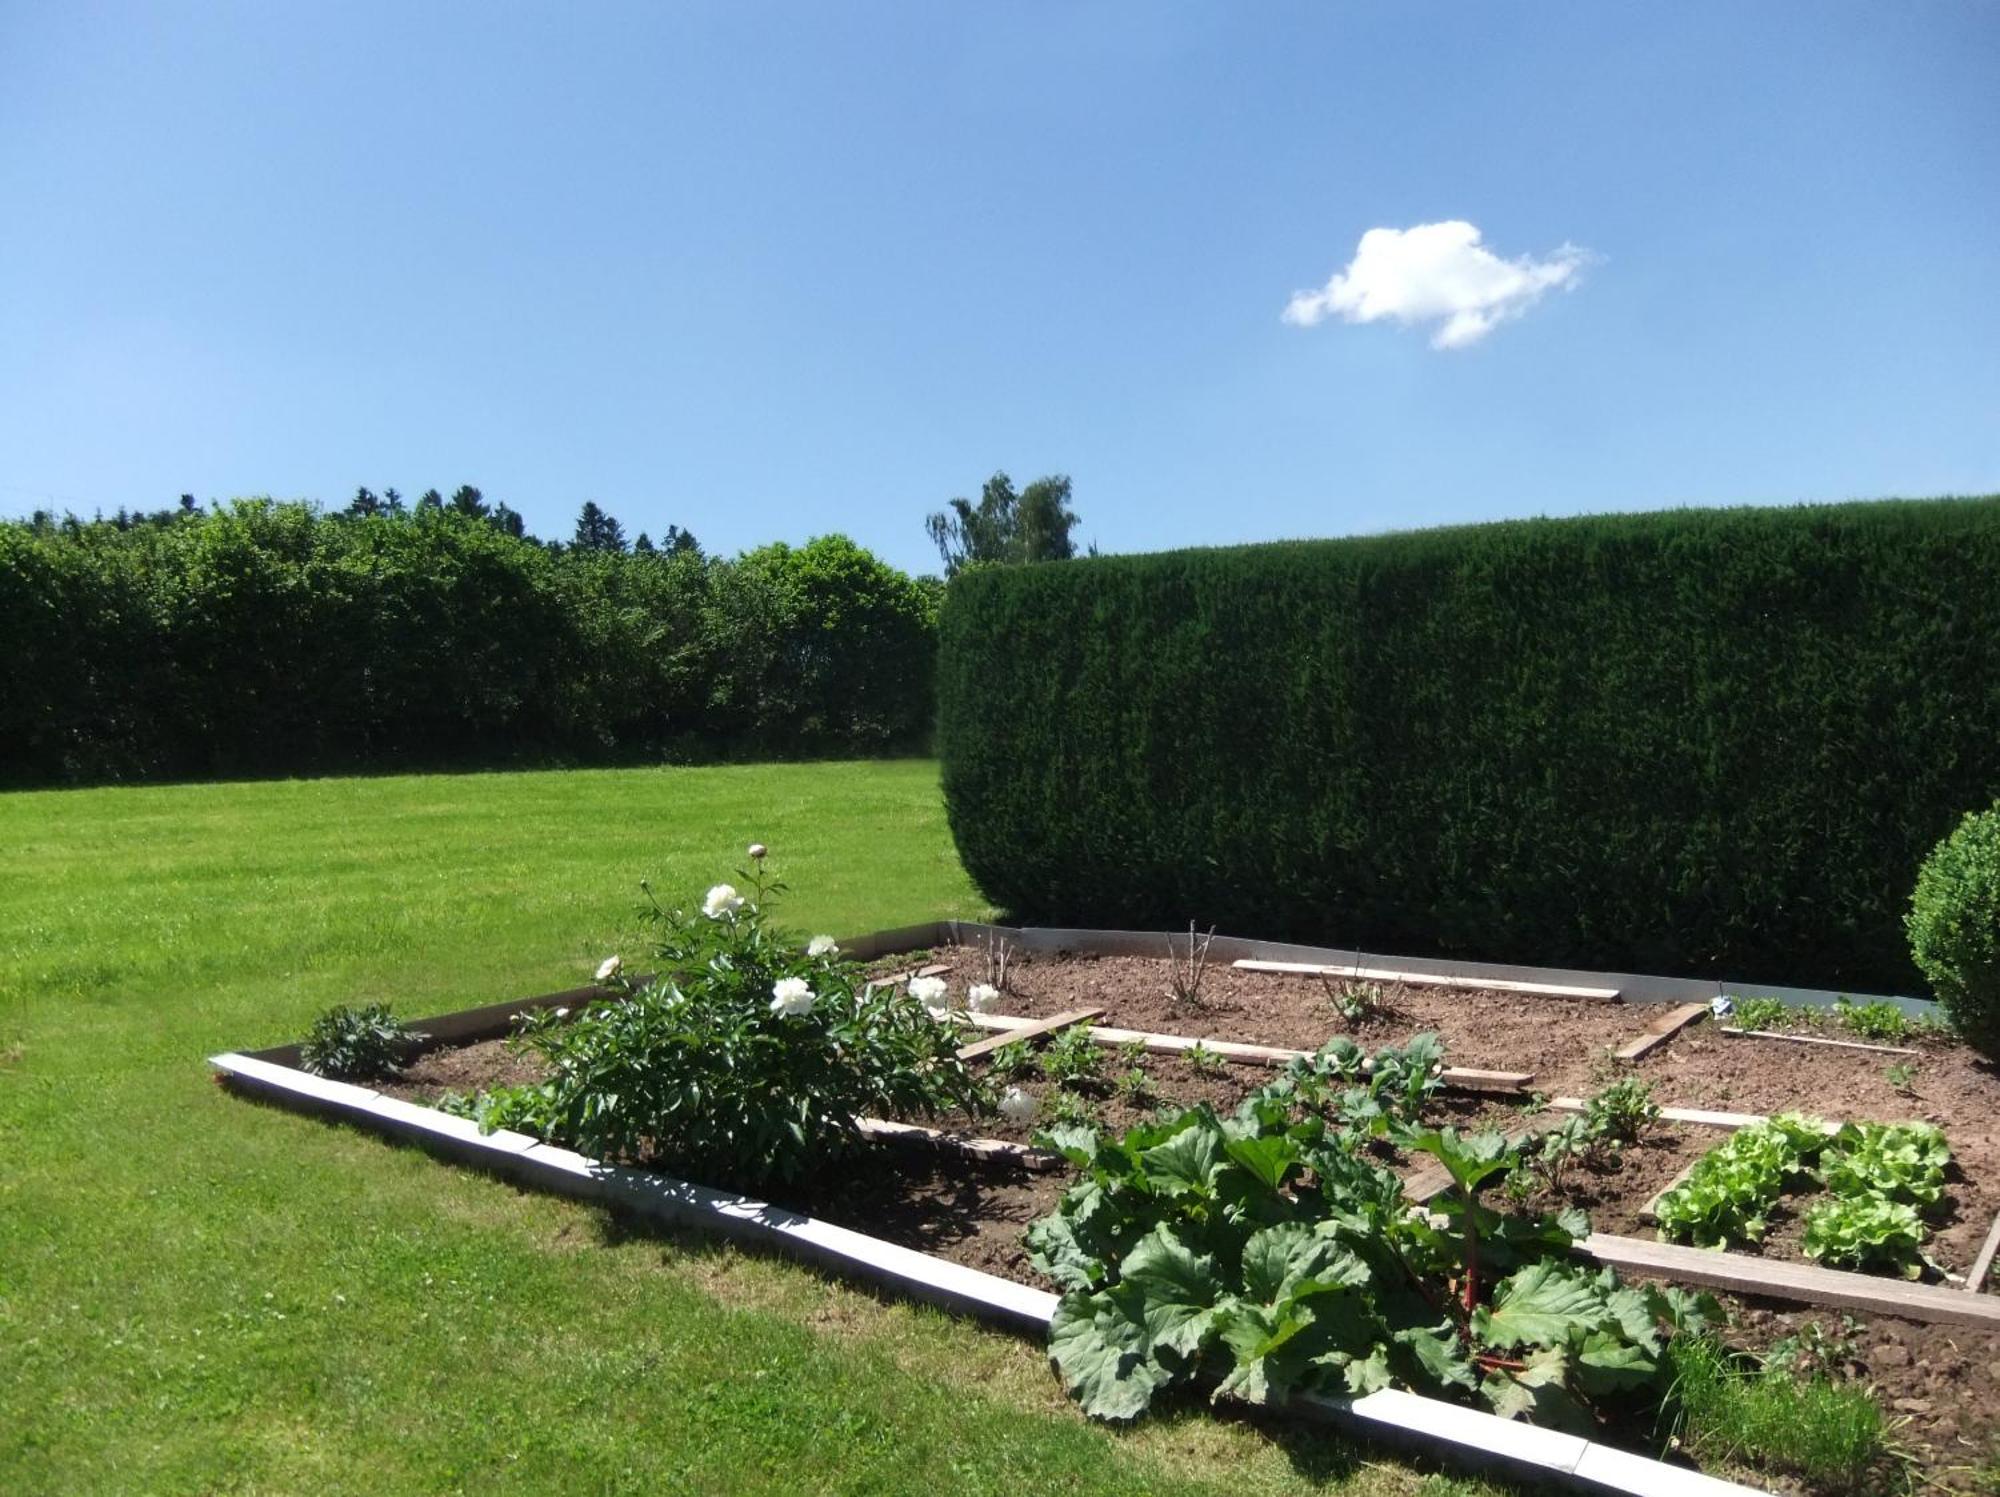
(745,1058)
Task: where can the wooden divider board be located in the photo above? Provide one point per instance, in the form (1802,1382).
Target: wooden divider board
(1023,1029)
(1803,1283)
(1428,979)
(1984,1262)
(1462,1078)
(958,1143)
(1663,1029)
(1813,1039)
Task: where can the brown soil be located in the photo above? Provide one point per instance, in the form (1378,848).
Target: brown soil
(1563,1042)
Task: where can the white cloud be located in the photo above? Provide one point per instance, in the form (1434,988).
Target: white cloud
(1438,273)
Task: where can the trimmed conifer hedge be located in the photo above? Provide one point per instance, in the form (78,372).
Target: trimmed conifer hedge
(1702,741)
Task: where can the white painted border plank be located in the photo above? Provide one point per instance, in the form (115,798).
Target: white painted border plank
(1813,1039)
(1426,979)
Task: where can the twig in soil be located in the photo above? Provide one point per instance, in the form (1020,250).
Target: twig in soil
(1186,974)
(999,953)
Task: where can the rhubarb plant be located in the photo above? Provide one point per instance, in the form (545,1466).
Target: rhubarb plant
(1260,1256)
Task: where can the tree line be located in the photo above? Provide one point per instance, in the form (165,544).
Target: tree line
(264,637)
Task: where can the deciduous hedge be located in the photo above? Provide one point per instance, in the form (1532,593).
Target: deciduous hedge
(1710,741)
(274,639)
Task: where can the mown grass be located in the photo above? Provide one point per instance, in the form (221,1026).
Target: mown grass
(200,1294)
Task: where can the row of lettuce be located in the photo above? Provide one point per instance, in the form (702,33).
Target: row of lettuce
(273,638)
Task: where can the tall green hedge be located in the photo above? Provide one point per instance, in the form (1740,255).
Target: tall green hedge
(274,639)
(1702,742)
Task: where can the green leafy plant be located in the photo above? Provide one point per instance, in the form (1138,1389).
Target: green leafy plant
(1073,1110)
(1365,1092)
(1896,1161)
(1815,1349)
(1620,1114)
(1135,1085)
(1204,1061)
(1013,1061)
(357,1044)
(1866,1232)
(1763,1013)
(1902,1075)
(1881,1022)
(1355,1001)
(745,1059)
(1073,1059)
(1954,926)
(1259,1255)
(1731,1189)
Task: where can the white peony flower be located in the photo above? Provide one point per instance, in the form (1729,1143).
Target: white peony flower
(1018,1106)
(930,992)
(823,946)
(723,900)
(562,1013)
(757,850)
(982,997)
(609,968)
(792,997)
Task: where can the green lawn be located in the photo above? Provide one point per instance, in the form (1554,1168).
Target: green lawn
(200,1294)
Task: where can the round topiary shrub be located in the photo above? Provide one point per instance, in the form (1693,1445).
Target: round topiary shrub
(1954,926)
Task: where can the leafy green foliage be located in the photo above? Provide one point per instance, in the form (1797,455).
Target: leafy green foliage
(1365,1092)
(357,1044)
(1262,1255)
(1073,1059)
(1004,526)
(1643,743)
(1954,926)
(1764,1014)
(1866,1232)
(1882,1022)
(703,1069)
(1730,1191)
(1730,1407)
(267,637)
(1013,1061)
(1621,1113)
(1896,1161)
(1204,1061)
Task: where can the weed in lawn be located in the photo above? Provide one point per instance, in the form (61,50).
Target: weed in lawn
(1731,1408)
(1073,1059)
(1187,969)
(1204,1061)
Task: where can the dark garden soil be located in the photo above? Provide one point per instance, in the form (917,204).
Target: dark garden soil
(1943,1381)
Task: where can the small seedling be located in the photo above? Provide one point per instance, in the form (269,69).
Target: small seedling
(1883,1022)
(1903,1077)
(1204,1061)
(1135,1086)
(1067,1109)
(1012,1061)
(1620,1114)
(1355,1001)
(1815,1349)
(1762,1013)
(1073,1060)
(1188,970)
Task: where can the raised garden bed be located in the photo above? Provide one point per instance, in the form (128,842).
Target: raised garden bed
(970,1209)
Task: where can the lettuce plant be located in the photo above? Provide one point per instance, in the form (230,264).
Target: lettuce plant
(1866,1232)
(1896,1161)
(1729,1193)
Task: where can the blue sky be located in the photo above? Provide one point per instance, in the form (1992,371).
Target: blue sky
(767,271)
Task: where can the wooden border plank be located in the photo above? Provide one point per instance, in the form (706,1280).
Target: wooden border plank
(1801,1283)
(1696,1115)
(1662,1029)
(1428,979)
(1027,1029)
(1984,1262)
(1459,1078)
(1813,1039)
(959,1143)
